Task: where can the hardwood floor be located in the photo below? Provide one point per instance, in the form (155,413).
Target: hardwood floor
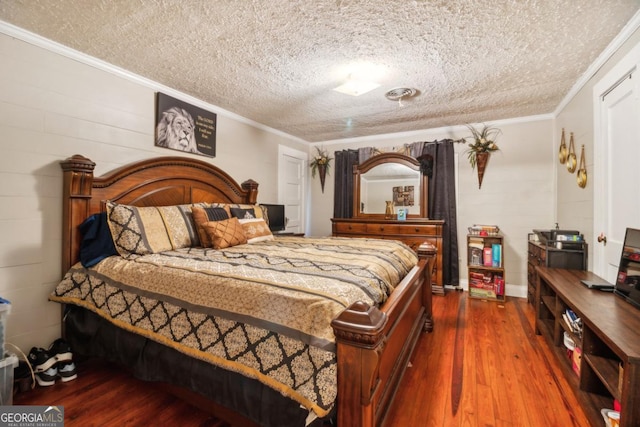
(502,372)
(482,366)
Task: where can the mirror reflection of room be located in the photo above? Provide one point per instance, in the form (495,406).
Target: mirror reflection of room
(390,182)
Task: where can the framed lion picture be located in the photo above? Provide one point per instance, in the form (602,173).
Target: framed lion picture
(184,127)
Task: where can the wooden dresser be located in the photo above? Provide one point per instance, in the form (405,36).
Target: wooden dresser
(548,255)
(413,232)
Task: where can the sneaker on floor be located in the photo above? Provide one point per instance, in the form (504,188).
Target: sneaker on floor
(41,360)
(60,350)
(22,379)
(67,371)
(47,377)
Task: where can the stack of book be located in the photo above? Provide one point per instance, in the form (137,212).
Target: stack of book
(489,256)
(573,321)
(486,285)
(476,246)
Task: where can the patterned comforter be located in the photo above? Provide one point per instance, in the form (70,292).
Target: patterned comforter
(262,309)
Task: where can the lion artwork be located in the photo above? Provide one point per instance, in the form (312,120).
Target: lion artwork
(176,130)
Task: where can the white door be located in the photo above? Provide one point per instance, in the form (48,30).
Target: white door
(291,187)
(616,169)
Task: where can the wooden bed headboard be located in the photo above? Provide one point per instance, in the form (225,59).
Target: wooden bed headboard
(160,181)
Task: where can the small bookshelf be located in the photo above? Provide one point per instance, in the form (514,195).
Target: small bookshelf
(485,265)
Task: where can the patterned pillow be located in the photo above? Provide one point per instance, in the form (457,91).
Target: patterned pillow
(256,230)
(225,233)
(205,214)
(242,213)
(145,230)
(256,210)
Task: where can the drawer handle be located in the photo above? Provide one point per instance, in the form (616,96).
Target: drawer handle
(417,229)
(349,227)
(381,228)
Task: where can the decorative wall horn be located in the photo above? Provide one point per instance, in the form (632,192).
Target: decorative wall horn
(582,171)
(571,157)
(562,152)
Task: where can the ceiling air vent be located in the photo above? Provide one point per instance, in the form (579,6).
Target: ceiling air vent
(400,93)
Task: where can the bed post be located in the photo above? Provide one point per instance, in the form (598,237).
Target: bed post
(252,187)
(76,195)
(374,346)
(359,337)
(428,252)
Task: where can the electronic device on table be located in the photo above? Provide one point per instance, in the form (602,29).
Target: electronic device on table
(627,283)
(628,277)
(601,285)
(277,220)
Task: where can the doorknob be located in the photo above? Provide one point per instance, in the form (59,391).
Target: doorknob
(602,238)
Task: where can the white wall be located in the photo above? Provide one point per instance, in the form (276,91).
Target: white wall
(517,192)
(575,204)
(53,106)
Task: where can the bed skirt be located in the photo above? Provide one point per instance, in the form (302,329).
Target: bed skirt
(91,336)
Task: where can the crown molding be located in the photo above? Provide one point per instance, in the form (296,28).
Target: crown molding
(601,60)
(44,43)
(39,41)
(436,132)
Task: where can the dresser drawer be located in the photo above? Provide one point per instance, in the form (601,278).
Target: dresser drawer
(537,255)
(349,228)
(402,229)
(534,259)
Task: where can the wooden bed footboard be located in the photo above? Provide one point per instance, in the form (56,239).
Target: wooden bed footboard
(375,345)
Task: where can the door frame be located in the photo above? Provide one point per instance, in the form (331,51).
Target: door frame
(301,155)
(628,64)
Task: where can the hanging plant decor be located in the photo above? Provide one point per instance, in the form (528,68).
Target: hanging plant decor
(320,164)
(481,148)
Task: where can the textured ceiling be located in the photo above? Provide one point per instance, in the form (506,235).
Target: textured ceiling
(276,62)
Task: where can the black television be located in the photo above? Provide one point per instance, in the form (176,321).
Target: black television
(277,220)
(628,279)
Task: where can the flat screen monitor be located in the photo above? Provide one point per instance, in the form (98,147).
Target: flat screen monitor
(628,279)
(277,220)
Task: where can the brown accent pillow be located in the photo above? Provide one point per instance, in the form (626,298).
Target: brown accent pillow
(225,233)
(256,230)
(203,215)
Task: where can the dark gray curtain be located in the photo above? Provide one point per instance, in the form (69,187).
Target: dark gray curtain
(442,204)
(343,193)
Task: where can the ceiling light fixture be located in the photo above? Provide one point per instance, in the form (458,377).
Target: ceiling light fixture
(400,93)
(355,87)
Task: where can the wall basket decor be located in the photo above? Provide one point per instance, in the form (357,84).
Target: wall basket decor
(582,170)
(481,148)
(320,163)
(562,152)
(571,157)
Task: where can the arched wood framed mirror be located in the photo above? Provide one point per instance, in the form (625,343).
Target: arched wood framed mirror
(389,177)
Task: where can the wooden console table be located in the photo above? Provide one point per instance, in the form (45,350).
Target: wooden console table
(610,342)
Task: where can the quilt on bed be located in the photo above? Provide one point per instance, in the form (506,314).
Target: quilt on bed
(261,309)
